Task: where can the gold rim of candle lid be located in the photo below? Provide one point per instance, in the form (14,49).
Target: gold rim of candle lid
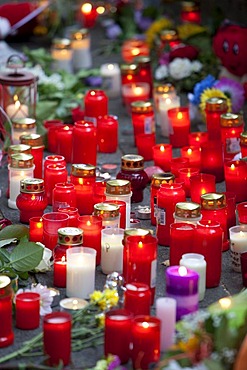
(5,286)
(132,162)
(70,235)
(118,187)
(216,104)
(142,60)
(19,148)
(164,88)
(83,170)
(137,231)
(34,140)
(80,34)
(231,120)
(243,138)
(162,178)
(213,201)
(129,69)
(106,210)
(189,6)
(188,209)
(32,185)
(169,35)
(21,160)
(141,106)
(24,123)
(62,43)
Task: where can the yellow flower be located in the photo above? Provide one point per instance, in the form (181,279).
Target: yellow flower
(187,30)
(111,297)
(156,27)
(106,299)
(100,319)
(213,93)
(95,296)
(190,346)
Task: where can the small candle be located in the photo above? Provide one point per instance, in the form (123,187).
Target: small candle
(62,55)
(179,126)
(137,298)
(84,143)
(111,77)
(80,46)
(134,92)
(181,241)
(36,229)
(112,250)
(145,143)
(182,285)
(162,155)
(236,179)
(177,163)
(17,109)
(193,153)
(197,138)
(54,174)
(27,310)
(52,221)
(215,107)
(57,338)
(6,331)
(133,48)
(166,102)
(185,174)
(95,105)
(200,184)
(142,116)
(107,134)
(64,136)
(212,159)
(166,312)
(238,244)
(73,304)
(241,209)
(52,126)
(89,15)
(60,267)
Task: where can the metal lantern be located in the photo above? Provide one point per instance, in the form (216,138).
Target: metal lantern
(18,90)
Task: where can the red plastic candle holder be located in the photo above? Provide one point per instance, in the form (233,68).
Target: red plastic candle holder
(54,173)
(73,214)
(95,105)
(215,107)
(52,126)
(145,143)
(91,226)
(200,184)
(27,307)
(84,143)
(185,174)
(54,159)
(236,179)
(107,134)
(133,92)
(36,229)
(142,116)
(63,195)
(241,210)
(64,142)
(133,48)
(177,163)
(137,298)
(162,156)
(212,161)
(179,126)
(181,241)
(193,153)
(51,223)
(59,273)
(197,138)
(6,295)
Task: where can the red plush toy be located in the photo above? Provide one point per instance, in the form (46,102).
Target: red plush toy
(229,45)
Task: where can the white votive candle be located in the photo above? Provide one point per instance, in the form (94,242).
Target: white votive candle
(166,312)
(196,262)
(81,54)
(165,103)
(238,244)
(112,250)
(17,110)
(72,304)
(111,77)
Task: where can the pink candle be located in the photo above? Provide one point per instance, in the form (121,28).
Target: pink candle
(27,310)
(162,156)
(91,226)
(36,229)
(64,142)
(212,159)
(201,184)
(193,153)
(134,92)
(179,122)
(236,179)
(145,143)
(197,138)
(185,174)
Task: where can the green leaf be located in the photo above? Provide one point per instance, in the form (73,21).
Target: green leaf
(4,255)
(14,231)
(213,364)
(26,256)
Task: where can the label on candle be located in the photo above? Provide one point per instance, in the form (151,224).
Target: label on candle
(153,274)
(233,145)
(148,125)
(91,119)
(161,216)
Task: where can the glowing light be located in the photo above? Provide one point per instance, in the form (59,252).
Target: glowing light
(135,52)
(225,303)
(179,115)
(86,8)
(189,151)
(182,270)
(162,148)
(110,67)
(145,325)
(89,223)
(129,77)
(100,9)
(92,93)
(63,259)
(232,167)
(140,245)
(138,90)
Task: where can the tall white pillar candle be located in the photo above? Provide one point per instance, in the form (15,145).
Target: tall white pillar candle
(112,250)
(80,276)
(196,262)
(81,54)
(166,312)
(165,103)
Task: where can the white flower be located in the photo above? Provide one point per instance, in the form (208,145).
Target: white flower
(196,66)
(46,297)
(45,263)
(180,68)
(161,72)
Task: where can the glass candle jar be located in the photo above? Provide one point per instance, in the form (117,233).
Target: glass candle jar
(84,143)
(181,241)
(83,178)
(128,73)
(215,107)
(32,200)
(188,212)
(37,151)
(142,115)
(54,174)
(179,126)
(20,167)
(236,178)
(73,214)
(120,190)
(232,126)
(162,155)
(22,126)
(107,134)
(68,237)
(95,105)
(63,195)
(91,226)
(62,55)
(132,169)
(193,153)
(137,298)
(144,73)
(109,213)
(213,207)
(157,180)
(6,295)
(81,53)
(196,262)
(243,144)
(64,138)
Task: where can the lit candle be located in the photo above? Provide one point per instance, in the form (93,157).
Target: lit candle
(112,250)
(145,341)
(64,136)
(232,126)
(196,262)
(145,143)
(95,105)
(63,196)
(177,163)
(17,110)
(162,155)
(107,134)
(166,312)
(182,285)
(59,274)
(81,264)
(37,151)
(197,138)
(181,241)
(122,211)
(62,55)
(137,298)
(89,15)
(54,174)
(236,179)
(185,174)
(72,304)
(179,126)
(142,116)
(80,46)
(111,77)
(166,102)
(200,184)
(6,331)
(193,153)
(57,338)
(52,221)
(238,240)
(84,143)
(190,12)
(52,125)
(36,229)
(133,92)
(22,126)
(27,307)
(241,209)
(215,107)
(133,48)
(212,159)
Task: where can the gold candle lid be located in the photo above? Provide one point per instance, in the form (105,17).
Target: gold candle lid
(162,178)
(5,286)
(61,43)
(164,88)
(23,123)
(138,232)
(141,106)
(189,6)
(213,201)
(188,209)
(83,170)
(231,120)
(80,34)
(19,148)
(216,104)
(34,140)
(118,187)
(243,138)
(106,210)
(32,185)
(169,35)
(21,160)
(127,69)
(70,236)
(132,162)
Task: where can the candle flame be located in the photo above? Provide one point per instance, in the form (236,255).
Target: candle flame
(92,92)
(232,167)
(66,128)
(17,104)
(168,101)
(182,270)
(189,151)
(33,197)
(88,223)
(145,325)
(63,259)
(15,98)
(129,77)
(197,138)
(86,8)
(110,67)
(179,115)
(100,9)
(135,51)
(138,90)
(241,234)
(140,245)
(80,181)
(39,224)
(225,302)
(203,191)
(162,148)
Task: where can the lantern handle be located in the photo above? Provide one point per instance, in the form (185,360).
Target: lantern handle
(15,61)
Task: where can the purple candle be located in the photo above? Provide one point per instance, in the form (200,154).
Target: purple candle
(182,285)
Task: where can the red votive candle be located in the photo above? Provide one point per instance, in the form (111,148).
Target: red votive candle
(230,209)
(243,144)
(91,226)
(36,229)
(57,337)
(133,48)
(59,273)
(118,333)
(197,138)
(132,92)
(54,159)
(99,189)
(54,173)
(95,105)
(241,209)
(142,116)
(107,134)
(73,214)
(215,107)
(52,126)
(145,341)
(144,71)
(64,142)
(179,122)
(84,143)
(236,179)
(145,143)
(177,163)
(212,159)
(190,13)
(185,174)
(53,221)
(162,156)
(89,15)
(232,125)
(37,151)
(208,242)
(27,307)
(63,195)
(6,295)
(201,184)
(181,241)
(137,298)
(193,153)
